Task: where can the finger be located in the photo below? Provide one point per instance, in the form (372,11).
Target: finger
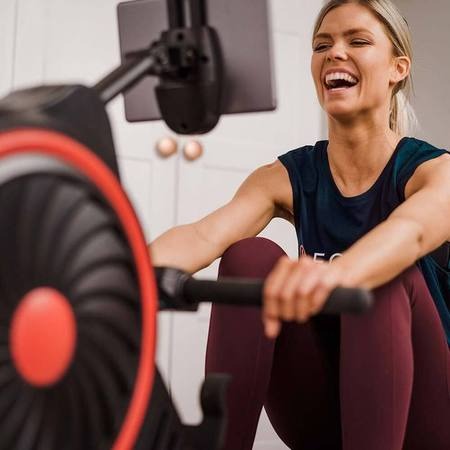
(304,290)
(304,304)
(320,297)
(288,292)
(272,327)
(272,288)
(289,297)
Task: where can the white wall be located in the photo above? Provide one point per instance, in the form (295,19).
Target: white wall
(237,146)
(7,44)
(429,24)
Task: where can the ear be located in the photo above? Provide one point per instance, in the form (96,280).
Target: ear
(400,69)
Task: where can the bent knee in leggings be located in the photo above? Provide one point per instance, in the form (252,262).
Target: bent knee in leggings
(250,257)
(394,306)
(237,345)
(408,281)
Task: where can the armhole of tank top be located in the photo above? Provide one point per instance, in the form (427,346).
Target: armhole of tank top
(289,163)
(401,185)
(440,256)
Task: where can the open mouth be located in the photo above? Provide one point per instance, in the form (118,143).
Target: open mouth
(340,82)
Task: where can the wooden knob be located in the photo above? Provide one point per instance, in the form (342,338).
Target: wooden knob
(193,150)
(166,146)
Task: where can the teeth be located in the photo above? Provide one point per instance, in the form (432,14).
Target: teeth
(340,76)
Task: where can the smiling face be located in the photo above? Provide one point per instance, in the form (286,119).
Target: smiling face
(352,46)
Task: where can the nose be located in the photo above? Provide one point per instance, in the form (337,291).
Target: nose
(336,52)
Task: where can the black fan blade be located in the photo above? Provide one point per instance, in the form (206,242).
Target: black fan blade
(13,421)
(101,249)
(9,393)
(91,408)
(63,201)
(121,317)
(116,281)
(7,374)
(87,220)
(106,345)
(108,392)
(31,425)
(11,283)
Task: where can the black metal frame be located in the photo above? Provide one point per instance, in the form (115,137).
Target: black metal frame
(187,59)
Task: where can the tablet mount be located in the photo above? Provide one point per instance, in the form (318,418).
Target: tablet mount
(187,59)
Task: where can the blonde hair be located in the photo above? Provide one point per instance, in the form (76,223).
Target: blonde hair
(402,118)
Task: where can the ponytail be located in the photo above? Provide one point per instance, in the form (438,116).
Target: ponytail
(402,118)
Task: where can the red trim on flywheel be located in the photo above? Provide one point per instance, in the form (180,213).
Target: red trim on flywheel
(77,155)
(43,336)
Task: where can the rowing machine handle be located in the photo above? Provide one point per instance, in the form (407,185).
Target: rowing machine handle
(181,292)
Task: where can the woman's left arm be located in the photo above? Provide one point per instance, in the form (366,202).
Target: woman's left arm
(296,290)
(415,228)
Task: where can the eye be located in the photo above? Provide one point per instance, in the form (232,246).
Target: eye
(320,47)
(359,42)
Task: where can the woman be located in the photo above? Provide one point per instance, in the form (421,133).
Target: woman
(372,202)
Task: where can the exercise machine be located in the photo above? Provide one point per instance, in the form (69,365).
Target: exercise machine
(79,296)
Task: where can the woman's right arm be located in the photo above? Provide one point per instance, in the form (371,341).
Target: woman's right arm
(265,194)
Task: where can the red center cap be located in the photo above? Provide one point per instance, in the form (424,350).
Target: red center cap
(43,336)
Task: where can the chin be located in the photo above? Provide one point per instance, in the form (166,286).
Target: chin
(341,113)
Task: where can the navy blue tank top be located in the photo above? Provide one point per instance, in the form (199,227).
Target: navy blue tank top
(327,223)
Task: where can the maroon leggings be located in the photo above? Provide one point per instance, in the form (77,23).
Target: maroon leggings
(375,382)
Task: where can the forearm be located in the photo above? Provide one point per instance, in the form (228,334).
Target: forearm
(381,254)
(182,247)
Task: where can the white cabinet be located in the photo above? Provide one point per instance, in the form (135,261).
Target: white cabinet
(233,149)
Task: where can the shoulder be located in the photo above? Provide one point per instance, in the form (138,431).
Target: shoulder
(302,164)
(273,181)
(286,162)
(428,165)
(300,154)
(277,179)
(413,149)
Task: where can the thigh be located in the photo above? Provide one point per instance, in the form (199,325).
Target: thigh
(429,416)
(303,396)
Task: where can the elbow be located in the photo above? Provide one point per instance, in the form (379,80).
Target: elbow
(412,237)
(419,244)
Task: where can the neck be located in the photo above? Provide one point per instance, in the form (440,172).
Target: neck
(357,153)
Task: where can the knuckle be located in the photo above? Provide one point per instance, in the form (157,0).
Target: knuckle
(316,308)
(287,315)
(302,290)
(269,292)
(316,303)
(285,297)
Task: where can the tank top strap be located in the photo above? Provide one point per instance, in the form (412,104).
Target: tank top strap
(409,157)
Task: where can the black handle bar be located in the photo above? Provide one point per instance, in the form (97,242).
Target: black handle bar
(179,291)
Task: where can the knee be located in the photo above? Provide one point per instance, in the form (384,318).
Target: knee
(393,304)
(402,286)
(251,257)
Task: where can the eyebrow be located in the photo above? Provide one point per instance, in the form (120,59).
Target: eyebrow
(346,33)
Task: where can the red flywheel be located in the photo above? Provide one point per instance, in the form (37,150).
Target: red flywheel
(78,299)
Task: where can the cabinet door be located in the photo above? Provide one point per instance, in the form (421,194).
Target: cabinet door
(236,147)
(66,41)
(7,39)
